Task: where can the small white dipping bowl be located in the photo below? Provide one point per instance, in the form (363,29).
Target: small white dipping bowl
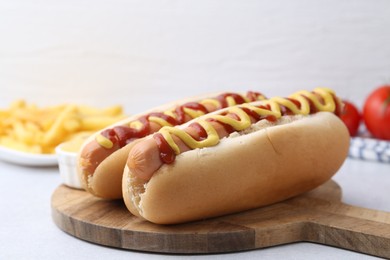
(67,162)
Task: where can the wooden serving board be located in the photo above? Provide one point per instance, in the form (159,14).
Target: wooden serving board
(318,216)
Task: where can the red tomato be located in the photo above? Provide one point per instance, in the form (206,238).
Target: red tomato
(376,112)
(351,117)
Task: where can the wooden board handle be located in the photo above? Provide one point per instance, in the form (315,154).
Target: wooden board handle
(350,227)
(334,223)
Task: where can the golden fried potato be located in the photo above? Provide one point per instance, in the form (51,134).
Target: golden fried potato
(29,128)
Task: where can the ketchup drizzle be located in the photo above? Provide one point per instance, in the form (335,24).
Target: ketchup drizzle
(123,135)
(110,135)
(222,99)
(167,155)
(192,105)
(251,113)
(163,116)
(200,132)
(253,96)
(228,128)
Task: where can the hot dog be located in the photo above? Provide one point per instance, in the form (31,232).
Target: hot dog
(237,158)
(103,156)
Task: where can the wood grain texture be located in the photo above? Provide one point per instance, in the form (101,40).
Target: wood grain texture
(318,216)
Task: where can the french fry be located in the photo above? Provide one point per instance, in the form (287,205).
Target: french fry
(22,134)
(28,128)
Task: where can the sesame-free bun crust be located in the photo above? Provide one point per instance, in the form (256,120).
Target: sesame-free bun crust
(242,172)
(106,181)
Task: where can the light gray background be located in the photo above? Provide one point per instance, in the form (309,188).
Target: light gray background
(143,53)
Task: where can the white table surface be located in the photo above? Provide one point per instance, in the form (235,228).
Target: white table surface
(28,232)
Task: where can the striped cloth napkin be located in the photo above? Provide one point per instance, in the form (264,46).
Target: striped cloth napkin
(365,147)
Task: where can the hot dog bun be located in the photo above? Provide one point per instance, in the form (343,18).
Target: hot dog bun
(104,178)
(269,163)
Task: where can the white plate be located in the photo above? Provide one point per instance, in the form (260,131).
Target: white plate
(27,159)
